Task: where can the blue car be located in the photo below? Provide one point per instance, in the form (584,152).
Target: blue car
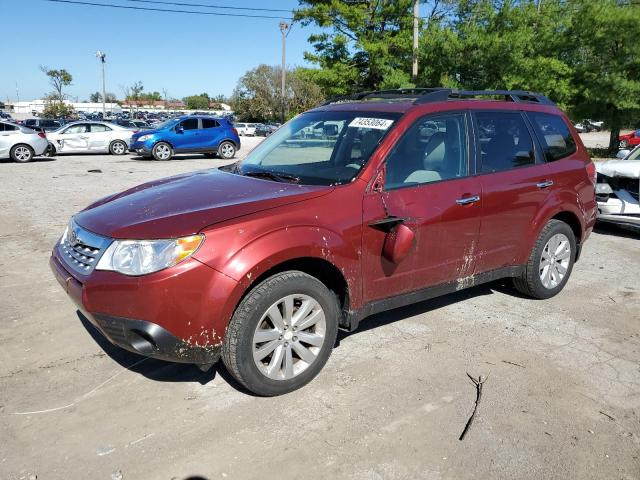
(188,134)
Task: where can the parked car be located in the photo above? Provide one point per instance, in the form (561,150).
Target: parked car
(630,139)
(261,261)
(264,130)
(19,143)
(188,134)
(42,124)
(248,129)
(618,189)
(90,137)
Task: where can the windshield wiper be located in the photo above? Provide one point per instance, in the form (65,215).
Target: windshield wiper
(278,177)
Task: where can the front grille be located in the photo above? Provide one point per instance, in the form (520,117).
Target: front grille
(81,249)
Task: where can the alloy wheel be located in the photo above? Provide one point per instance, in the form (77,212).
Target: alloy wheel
(554,261)
(118,148)
(163,152)
(226,150)
(289,337)
(22,154)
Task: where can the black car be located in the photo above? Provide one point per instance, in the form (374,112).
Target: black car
(265,130)
(42,124)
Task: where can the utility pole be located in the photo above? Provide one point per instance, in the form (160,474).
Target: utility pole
(284,27)
(17,92)
(102,56)
(416,23)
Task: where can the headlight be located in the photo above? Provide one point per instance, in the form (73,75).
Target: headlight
(144,138)
(64,235)
(139,257)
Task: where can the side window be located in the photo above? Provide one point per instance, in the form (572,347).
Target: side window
(80,128)
(3,126)
(208,123)
(505,142)
(554,135)
(8,128)
(97,127)
(433,149)
(190,124)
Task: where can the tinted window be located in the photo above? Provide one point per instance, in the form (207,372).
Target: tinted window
(505,141)
(96,127)
(554,135)
(433,149)
(190,124)
(29,122)
(9,128)
(208,123)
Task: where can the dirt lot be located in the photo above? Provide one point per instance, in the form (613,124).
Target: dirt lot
(562,399)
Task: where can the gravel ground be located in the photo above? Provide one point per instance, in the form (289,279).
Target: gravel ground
(562,399)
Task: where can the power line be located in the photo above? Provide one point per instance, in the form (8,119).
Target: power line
(181,4)
(151,9)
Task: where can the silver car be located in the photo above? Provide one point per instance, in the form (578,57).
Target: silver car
(618,190)
(90,137)
(20,143)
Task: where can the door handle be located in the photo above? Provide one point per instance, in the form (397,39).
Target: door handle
(468,200)
(544,184)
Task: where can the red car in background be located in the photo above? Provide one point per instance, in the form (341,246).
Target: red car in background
(630,139)
(407,195)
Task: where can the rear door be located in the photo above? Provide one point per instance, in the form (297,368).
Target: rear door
(8,134)
(515,183)
(99,137)
(211,133)
(429,188)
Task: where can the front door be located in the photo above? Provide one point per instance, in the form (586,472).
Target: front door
(187,135)
(515,184)
(74,139)
(425,185)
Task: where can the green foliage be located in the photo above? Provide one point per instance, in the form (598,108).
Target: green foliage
(97,97)
(197,102)
(368,44)
(58,79)
(56,108)
(258,97)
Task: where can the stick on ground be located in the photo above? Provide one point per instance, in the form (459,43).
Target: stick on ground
(478,383)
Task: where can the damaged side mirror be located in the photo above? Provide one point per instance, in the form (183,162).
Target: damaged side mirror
(398,243)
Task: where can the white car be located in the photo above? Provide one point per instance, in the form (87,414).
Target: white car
(89,137)
(618,190)
(20,143)
(248,129)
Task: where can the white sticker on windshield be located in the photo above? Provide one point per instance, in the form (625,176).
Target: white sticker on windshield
(377,123)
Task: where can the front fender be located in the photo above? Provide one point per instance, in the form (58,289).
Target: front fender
(246,262)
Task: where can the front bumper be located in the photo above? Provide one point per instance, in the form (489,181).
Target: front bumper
(621,208)
(170,315)
(140,148)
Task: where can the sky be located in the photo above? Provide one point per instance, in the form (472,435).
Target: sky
(183,53)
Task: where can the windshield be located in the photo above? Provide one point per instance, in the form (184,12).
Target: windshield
(167,123)
(319,148)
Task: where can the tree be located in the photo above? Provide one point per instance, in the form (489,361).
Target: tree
(606,79)
(58,79)
(95,97)
(258,97)
(55,108)
(368,45)
(197,102)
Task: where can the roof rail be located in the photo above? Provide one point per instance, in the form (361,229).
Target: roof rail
(441,94)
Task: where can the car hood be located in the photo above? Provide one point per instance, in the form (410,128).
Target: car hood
(185,204)
(148,131)
(619,168)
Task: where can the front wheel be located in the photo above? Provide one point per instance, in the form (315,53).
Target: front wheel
(118,147)
(226,150)
(50,151)
(281,334)
(550,263)
(162,151)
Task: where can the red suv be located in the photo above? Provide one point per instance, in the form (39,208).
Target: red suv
(402,196)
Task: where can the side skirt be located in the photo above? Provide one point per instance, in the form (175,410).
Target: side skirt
(352,319)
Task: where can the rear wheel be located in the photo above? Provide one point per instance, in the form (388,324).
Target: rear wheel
(550,263)
(50,151)
(21,153)
(162,151)
(226,150)
(281,334)
(118,147)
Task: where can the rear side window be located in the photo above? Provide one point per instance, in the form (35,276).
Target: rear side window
(8,128)
(505,141)
(208,123)
(96,127)
(554,135)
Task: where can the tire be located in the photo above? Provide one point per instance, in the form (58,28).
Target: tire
(624,144)
(538,282)
(226,150)
(162,151)
(50,151)
(117,147)
(268,375)
(21,153)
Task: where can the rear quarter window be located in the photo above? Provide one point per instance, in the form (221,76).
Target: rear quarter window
(554,135)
